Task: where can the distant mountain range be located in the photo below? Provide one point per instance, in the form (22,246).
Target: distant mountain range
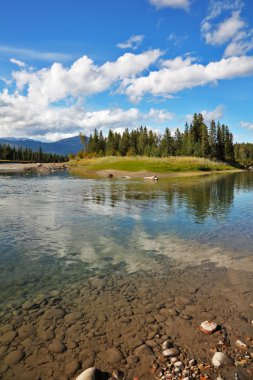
(62,147)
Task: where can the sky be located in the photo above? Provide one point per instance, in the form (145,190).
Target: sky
(71,66)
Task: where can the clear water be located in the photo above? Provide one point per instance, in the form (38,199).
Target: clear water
(59,228)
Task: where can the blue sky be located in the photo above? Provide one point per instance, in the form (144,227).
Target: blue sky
(68,67)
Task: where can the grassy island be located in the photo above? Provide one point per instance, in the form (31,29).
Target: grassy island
(153,165)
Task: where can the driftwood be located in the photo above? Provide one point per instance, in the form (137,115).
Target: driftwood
(153,178)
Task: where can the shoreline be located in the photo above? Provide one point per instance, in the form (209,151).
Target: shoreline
(31,167)
(120,174)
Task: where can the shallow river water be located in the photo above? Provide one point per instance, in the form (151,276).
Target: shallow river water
(100,272)
(58,228)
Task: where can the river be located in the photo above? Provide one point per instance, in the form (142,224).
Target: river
(59,230)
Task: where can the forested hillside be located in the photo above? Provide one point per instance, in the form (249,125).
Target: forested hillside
(8,153)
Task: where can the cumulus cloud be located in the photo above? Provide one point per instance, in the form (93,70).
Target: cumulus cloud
(182,4)
(159,115)
(132,43)
(247,125)
(233,30)
(17,62)
(215,114)
(180,74)
(224,31)
(82,78)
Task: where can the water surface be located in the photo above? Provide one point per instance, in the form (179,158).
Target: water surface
(58,228)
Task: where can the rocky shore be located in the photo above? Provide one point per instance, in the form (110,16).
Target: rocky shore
(32,167)
(141,326)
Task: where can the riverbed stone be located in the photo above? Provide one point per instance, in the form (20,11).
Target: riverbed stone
(72,367)
(57,347)
(88,374)
(8,337)
(73,317)
(219,359)
(53,314)
(26,331)
(6,328)
(14,357)
(28,305)
(144,351)
(113,355)
(171,352)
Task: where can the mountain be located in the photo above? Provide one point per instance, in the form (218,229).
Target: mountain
(62,147)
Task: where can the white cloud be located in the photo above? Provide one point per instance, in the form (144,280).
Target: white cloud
(224,31)
(180,74)
(132,43)
(159,115)
(182,4)
(82,78)
(247,125)
(232,30)
(217,7)
(216,114)
(17,62)
(34,54)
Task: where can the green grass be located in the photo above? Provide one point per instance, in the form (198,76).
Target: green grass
(150,164)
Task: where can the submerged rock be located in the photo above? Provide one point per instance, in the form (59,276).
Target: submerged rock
(14,357)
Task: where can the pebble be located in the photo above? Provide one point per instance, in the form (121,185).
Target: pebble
(166,344)
(208,327)
(57,347)
(53,314)
(8,337)
(72,367)
(6,328)
(171,352)
(219,359)
(26,331)
(241,345)
(178,365)
(113,355)
(28,305)
(14,357)
(88,374)
(73,317)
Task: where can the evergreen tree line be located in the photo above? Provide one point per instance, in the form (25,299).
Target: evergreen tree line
(198,139)
(24,154)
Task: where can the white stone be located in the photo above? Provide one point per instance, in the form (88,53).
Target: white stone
(219,359)
(88,374)
(171,352)
(173,360)
(208,327)
(179,365)
(241,345)
(192,362)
